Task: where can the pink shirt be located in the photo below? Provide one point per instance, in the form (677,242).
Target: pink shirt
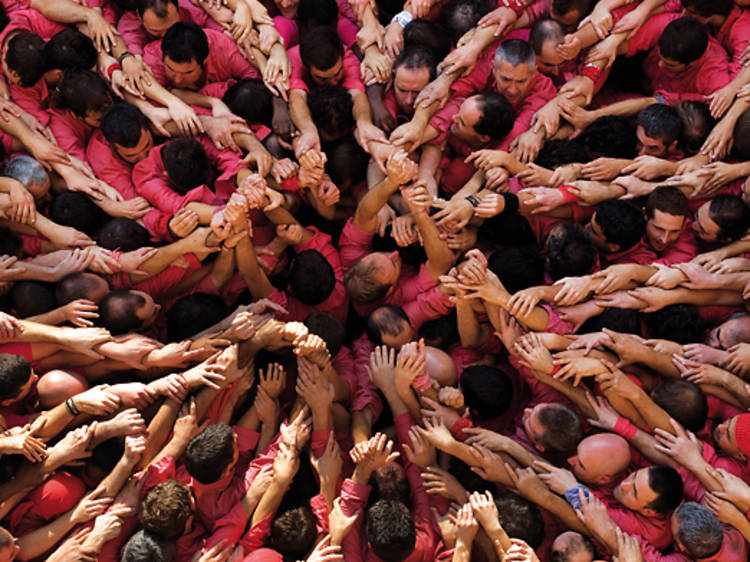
(71,132)
(130,27)
(300,79)
(289,31)
(223,63)
(734,35)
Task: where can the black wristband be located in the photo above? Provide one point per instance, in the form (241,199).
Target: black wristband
(124,55)
(474,200)
(511,203)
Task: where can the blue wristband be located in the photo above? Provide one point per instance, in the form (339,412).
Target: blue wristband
(572,496)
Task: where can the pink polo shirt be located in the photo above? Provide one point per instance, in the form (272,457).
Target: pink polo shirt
(223,63)
(71,132)
(300,79)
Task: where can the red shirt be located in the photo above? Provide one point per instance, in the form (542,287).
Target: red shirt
(223,63)
(300,79)
(734,35)
(71,132)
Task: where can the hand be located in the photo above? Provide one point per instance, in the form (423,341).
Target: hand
(725,511)
(461,59)
(619,299)
(133,395)
(559,480)
(502,17)
(699,373)
(24,443)
(606,416)
(323,552)
(570,47)
(393,41)
(286,464)
(400,168)
(628,548)
(436,432)
(526,146)
(592,512)
(102,32)
(720,141)
(421,452)
(10,270)
(533,354)
(131,261)
(382,366)
(579,86)
(602,169)
(186,424)
(407,136)
(733,488)
(73,549)
(220,552)
(185,118)
(22,204)
(90,506)
(578,368)
(454,215)
(683,446)
(278,70)
(377,63)
(328,466)
(417,197)
(313,387)
(440,482)
(207,373)
(436,91)
(523,302)
(616,382)
(645,168)
(273,380)
(339,524)
(97,401)
(632,22)
(466,525)
(536,176)
(266,408)
(375,453)
(451,397)
(526,481)
(127,422)
(600,19)
(221,128)
(573,291)
(136,75)
(135,446)
(665,277)
(410,362)
(485,509)
(404,231)
(487,438)
(183,223)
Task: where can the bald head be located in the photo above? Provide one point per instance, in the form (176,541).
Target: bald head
(601,458)
(440,366)
(56,386)
(81,286)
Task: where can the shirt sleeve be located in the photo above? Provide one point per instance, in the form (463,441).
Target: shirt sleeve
(352,80)
(152,56)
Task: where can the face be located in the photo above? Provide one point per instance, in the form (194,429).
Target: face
(532,425)
(93,118)
(288,8)
(671,65)
(407,83)
(41,191)
(634,492)
(548,61)
(183,74)
(648,146)
(156,26)
(729,333)
(331,77)
(10,551)
(11,75)
(149,311)
(704,226)
(513,81)
(133,155)
(663,229)
(724,437)
(464,121)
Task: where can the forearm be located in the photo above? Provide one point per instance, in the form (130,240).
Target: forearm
(250,270)
(462,552)
(195,98)
(575,394)
(63,11)
(468,324)
(299,112)
(361,425)
(41,540)
(439,256)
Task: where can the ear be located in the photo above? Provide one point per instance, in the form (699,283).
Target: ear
(672,147)
(485,139)
(612,248)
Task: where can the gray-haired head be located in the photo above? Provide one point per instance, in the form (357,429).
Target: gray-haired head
(698,530)
(29,172)
(516,52)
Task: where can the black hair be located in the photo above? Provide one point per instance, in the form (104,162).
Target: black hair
(441,332)
(329,328)
(311,278)
(708,8)
(684,401)
(321,48)
(545,30)
(384,320)
(293,532)
(666,482)
(697,124)
(70,49)
(507,229)
(210,452)
(429,35)
(74,286)
(684,40)
(660,121)
(123,124)
(517,267)
(144,547)
(15,371)
(610,136)
(251,100)
(184,42)
(562,7)
(459,16)
(118,311)
(25,57)
(390,530)
(31,298)
(622,223)
(570,252)
(731,214)
(74,209)
(497,117)
(415,57)
(680,323)
(314,13)
(158,6)
(667,199)
(186,163)
(10,243)
(82,91)
(562,429)
(520,518)
(331,110)
(194,313)
(347,163)
(124,235)
(623,320)
(487,391)
(559,152)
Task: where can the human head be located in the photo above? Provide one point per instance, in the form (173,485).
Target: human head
(611,137)
(186,164)
(617,226)
(520,518)
(389,325)
(69,49)
(513,69)
(373,276)
(623,320)
(123,235)
(682,42)
(184,51)
(166,509)
(311,278)
(16,378)
(666,212)
(81,285)
(390,530)
(29,298)
(722,219)
(31,174)
(315,13)
(696,530)
(544,38)
(194,313)
(331,111)
(733,437)
(158,16)
(74,209)
(697,123)
(329,328)
(122,311)
(684,401)
(127,131)
(413,69)
(730,332)
(483,118)
(86,94)
(251,100)
(656,490)
(517,267)
(347,164)
(293,532)
(487,391)
(212,453)
(23,58)
(570,251)
(8,547)
(145,547)
(600,459)
(570,12)
(427,34)
(658,129)
(680,323)
(553,427)
(322,53)
(56,386)
(706,11)
(558,152)
(459,16)
(572,546)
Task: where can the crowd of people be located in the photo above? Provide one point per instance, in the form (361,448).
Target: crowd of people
(352,280)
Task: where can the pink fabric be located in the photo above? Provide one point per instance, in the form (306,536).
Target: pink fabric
(734,35)
(300,79)
(71,132)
